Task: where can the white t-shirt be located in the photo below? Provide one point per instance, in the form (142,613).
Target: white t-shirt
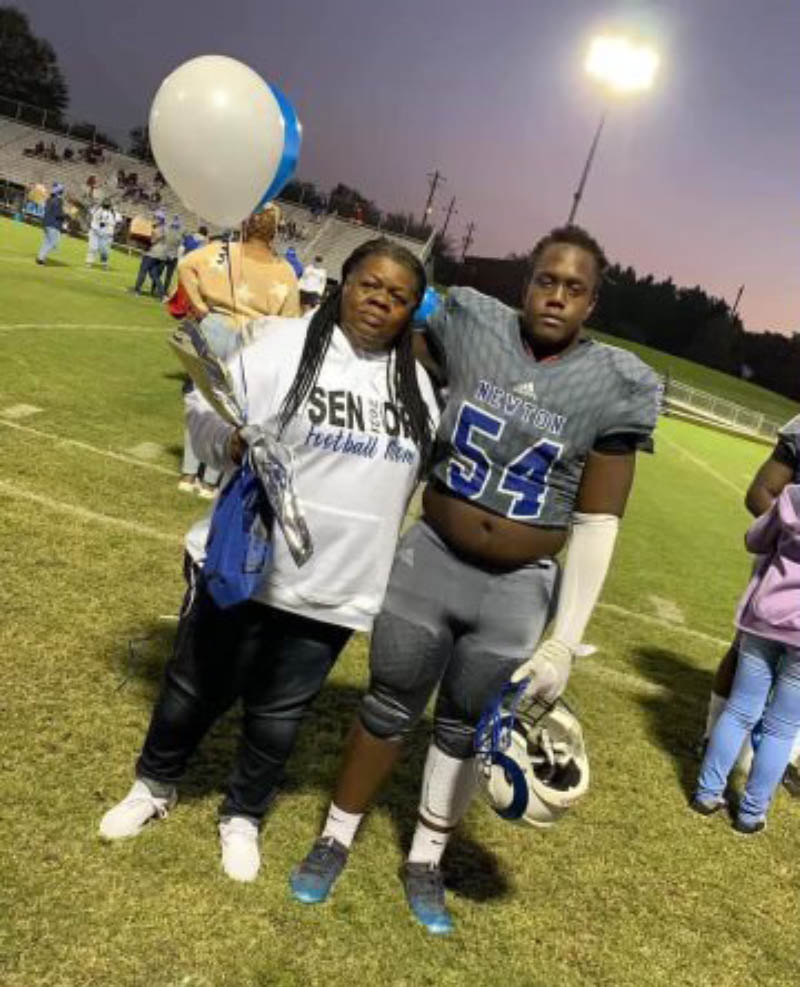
(103,221)
(355,470)
(313,280)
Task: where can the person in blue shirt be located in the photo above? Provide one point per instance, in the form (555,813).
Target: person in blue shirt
(52,222)
(294,260)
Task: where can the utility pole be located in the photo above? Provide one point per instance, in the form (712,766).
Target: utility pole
(739,294)
(577,194)
(466,243)
(436,177)
(451,209)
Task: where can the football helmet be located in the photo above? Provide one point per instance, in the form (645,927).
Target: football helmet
(530,757)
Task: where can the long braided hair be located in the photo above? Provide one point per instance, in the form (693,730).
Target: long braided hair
(401,370)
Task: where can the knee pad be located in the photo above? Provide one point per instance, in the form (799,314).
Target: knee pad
(385,716)
(454,737)
(406,663)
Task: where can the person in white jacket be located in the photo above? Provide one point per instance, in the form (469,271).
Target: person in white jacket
(101,233)
(344,393)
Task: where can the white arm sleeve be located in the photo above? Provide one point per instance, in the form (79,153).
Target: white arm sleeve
(210,434)
(589,552)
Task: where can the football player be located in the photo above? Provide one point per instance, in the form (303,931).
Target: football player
(536,446)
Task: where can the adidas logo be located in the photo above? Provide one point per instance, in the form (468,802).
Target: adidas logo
(525,389)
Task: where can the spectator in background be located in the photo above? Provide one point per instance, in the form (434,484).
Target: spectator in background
(52,222)
(173,240)
(192,241)
(69,154)
(227,285)
(767,682)
(101,233)
(196,476)
(312,285)
(152,262)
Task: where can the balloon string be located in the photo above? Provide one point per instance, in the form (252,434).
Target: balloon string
(232,281)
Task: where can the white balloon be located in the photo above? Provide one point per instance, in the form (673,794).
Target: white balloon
(217,134)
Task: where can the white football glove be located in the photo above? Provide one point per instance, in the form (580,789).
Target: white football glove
(548,670)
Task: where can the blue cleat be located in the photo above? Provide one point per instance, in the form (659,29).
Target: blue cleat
(311,881)
(424,887)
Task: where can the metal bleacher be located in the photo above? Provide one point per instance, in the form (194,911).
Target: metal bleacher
(22,169)
(328,236)
(334,239)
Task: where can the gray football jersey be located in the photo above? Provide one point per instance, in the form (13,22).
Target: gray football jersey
(515,433)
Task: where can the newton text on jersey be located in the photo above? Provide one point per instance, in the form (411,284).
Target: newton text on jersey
(512,405)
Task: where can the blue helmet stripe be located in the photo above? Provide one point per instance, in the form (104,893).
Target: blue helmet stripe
(519,801)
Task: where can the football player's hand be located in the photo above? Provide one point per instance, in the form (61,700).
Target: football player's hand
(548,670)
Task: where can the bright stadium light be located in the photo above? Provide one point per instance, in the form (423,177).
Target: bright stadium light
(622,66)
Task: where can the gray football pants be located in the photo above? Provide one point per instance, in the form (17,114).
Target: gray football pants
(447,622)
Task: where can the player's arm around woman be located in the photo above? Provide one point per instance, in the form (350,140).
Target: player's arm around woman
(344,394)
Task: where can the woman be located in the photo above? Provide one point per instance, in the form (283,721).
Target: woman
(344,393)
(228,285)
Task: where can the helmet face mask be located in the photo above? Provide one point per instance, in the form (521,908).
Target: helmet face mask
(530,758)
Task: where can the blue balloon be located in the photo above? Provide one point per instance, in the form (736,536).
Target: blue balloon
(293,135)
(426,308)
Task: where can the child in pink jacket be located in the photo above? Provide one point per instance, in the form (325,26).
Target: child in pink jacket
(767,683)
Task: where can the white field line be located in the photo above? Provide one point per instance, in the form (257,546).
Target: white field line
(66,267)
(63,507)
(624,680)
(666,624)
(703,465)
(97,327)
(85,447)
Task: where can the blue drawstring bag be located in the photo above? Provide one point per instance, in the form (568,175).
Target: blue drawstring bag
(239,548)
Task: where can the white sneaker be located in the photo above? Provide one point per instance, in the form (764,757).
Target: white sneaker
(239,839)
(205,491)
(129,816)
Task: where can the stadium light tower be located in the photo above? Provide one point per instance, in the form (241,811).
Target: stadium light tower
(621,66)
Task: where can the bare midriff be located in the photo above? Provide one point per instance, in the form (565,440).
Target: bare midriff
(485,538)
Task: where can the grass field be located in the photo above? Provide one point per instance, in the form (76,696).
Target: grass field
(632,889)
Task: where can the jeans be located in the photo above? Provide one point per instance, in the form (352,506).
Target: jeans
(150,267)
(764,667)
(222,338)
(169,270)
(191,465)
(274,660)
(51,237)
(98,244)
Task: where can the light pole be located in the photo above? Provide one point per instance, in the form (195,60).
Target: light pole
(621,66)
